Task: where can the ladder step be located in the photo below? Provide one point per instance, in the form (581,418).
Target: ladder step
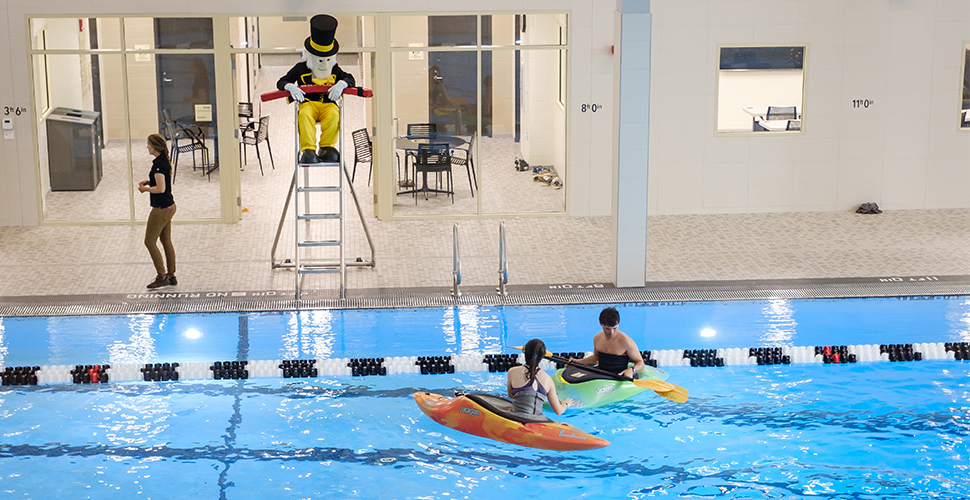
(319,189)
(318,216)
(319,271)
(330,164)
(320,243)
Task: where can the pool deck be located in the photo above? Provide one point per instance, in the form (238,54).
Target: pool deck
(50,269)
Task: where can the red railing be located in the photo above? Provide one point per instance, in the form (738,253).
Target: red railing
(316,89)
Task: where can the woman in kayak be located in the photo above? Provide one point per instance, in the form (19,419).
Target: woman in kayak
(529,387)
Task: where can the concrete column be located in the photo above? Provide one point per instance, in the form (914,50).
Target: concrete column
(631,133)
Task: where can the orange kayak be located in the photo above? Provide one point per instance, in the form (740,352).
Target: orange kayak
(490,416)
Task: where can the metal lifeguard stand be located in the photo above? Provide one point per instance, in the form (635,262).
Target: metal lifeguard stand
(316,190)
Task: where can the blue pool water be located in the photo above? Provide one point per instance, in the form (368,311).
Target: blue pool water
(872,430)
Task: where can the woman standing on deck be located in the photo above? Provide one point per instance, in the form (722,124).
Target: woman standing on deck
(159,185)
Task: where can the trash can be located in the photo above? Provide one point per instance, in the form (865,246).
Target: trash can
(74,149)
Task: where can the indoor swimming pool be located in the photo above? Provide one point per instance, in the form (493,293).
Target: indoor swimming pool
(865,430)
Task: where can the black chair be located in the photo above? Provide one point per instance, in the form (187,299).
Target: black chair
(781,113)
(197,134)
(433,158)
(794,125)
(245,111)
(183,140)
(254,134)
(363,152)
(416,131)
(462,156)
(422,130)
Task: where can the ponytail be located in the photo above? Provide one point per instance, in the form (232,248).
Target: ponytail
(158,143)
(535,350)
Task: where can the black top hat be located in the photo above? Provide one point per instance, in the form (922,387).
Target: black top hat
(321,41)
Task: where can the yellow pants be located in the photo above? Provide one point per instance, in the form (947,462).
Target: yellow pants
(328,115)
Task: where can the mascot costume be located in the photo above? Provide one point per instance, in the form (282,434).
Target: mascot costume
(319,68)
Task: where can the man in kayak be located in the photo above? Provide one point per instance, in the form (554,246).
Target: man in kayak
(614,350)
(530,387)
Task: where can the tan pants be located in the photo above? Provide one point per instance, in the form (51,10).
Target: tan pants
(328,114)
(160,228)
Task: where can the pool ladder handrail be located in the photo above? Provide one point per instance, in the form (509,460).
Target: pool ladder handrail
(503,261)
(456,271)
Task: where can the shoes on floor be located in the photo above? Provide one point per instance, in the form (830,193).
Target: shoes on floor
(173,281)
(159,282)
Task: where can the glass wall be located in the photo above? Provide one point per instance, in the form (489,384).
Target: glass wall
(965,95)
(96,108)
(493,89)
(760,89)
(479,113)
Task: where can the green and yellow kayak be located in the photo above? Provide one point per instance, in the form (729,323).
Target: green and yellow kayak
(589,390)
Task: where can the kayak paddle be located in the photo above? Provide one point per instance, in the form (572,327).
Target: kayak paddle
(670,391)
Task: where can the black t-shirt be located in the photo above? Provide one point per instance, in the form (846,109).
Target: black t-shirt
(161,166)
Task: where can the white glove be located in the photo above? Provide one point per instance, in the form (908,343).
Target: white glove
(337,90)
(295,92)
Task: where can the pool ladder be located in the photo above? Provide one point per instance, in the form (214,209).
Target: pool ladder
(456,271)
(503,261)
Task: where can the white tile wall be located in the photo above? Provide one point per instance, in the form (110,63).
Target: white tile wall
(948,170)
(904,56)
(953,145)
(775,197)
(851,194)
(822,172)
(680,198)
(774,172)
(905,170)
(861,172)
(725,150)
(942,193)
(731,13)
(726,197)
(814,197)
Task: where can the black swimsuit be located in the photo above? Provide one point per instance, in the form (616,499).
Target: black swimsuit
(613,363)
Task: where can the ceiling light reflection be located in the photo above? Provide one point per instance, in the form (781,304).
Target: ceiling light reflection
(708,332)
(192,333)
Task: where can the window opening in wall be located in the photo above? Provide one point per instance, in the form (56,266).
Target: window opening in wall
(760,89)
(965,95)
